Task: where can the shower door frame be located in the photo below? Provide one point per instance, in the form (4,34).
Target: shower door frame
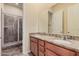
(2,41)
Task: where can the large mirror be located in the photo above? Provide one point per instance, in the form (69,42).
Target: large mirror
(64,20)
(55,22)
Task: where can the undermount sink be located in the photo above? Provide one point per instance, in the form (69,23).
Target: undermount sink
(62,41)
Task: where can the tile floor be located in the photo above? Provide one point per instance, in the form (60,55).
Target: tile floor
(13,51)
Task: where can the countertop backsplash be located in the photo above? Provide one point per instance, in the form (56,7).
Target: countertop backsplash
(58,35)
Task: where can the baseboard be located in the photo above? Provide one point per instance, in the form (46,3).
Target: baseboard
(27,53)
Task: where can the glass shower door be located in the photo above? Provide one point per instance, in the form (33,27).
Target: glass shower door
(10,29)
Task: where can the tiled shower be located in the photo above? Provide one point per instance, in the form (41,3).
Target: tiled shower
(11,30)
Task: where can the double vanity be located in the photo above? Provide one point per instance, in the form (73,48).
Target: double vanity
(45,45)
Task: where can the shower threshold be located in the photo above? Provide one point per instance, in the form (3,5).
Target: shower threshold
(11,44)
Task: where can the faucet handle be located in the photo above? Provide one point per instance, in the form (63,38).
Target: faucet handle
(65,37)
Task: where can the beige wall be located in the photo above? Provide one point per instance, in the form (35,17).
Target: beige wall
(43,22)
(35,20)
(8,9)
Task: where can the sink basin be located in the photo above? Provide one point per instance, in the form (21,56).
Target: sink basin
(62,41)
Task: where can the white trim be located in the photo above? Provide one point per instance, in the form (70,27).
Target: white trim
(26,53)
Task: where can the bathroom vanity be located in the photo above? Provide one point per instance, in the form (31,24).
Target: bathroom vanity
(42,45)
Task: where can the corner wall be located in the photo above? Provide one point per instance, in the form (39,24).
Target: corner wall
(35,20)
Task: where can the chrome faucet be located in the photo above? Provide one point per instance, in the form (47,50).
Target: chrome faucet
(65,37)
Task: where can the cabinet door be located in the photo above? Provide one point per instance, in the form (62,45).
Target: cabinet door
(57,19)
(41,50)
(73,20)
(41,53)
(35,49)
(32,47)
(77,53)
(49,53)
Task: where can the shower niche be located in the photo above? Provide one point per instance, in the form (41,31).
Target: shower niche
(12,30)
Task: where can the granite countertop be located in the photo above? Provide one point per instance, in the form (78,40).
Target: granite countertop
(69,44)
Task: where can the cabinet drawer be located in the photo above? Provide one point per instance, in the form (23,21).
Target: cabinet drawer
(41,42)
(41,48)
(59,50)
(77,53)
(41,53)
(49,53)
(33,39)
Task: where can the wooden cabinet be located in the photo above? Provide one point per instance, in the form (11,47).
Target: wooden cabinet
(31,47)
(41,53)
(41,42)
(43,48)
(77,53)
(59,50)
(33,39)
(35,49)
(49,53)
(34,46)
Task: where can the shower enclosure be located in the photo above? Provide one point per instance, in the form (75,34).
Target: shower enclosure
(11,30)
